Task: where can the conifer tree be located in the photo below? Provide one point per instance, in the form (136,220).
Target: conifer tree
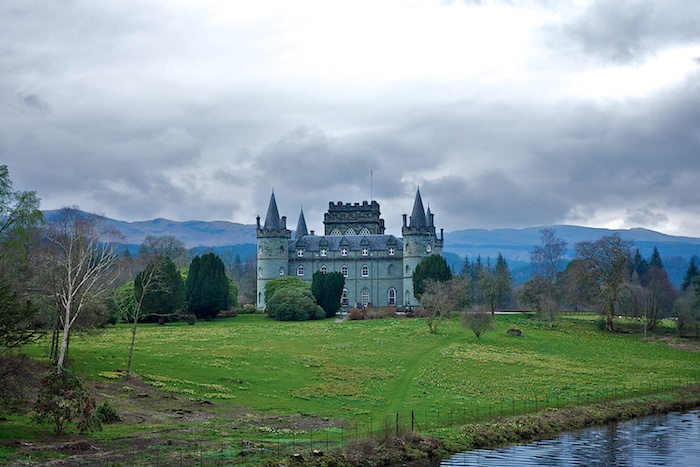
(690,273)
(207,287)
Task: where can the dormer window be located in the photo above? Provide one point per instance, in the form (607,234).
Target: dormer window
(324,251)
(365,251)
(343,252)
(300,253)
(392,251)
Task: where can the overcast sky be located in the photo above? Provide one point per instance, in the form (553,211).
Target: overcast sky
(505,113)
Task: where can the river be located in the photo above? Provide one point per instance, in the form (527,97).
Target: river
(664,440)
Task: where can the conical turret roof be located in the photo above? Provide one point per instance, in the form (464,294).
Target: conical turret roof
(418,218)
(301,231)
(272,220)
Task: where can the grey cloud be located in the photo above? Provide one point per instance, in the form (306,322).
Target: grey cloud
(628,31)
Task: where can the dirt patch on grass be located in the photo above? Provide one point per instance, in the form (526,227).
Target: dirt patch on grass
(688,345)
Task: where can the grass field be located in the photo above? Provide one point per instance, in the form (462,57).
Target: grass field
(372,368)
(213,387)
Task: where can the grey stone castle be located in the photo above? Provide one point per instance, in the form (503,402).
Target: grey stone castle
(378,268)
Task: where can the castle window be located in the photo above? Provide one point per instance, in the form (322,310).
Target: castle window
(350,231)
(408,298)
(365,231)
(260,272)
(343,252)
(335,232)
(429,248)
(344,298)
(392,251)
(391,295)
(281,271)
(365,271)
(408,270)
(324,252)
(300,271)
(260,250)
(344,271)
(324,269)
(390,270)
(365,251)
(365,297)
(300,253)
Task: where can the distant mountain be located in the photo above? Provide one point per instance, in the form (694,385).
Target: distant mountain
(514,244)
(192,233)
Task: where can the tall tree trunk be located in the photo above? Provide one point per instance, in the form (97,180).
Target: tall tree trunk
(64,341)
(133,339)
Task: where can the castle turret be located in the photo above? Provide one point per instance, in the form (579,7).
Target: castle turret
(273,248)
(419,241)
(301,231)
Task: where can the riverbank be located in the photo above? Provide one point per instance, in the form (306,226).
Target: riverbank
(441,443)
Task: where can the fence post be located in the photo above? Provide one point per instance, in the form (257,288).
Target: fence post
(397,424)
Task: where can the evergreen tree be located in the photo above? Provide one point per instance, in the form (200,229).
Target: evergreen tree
(165,293)
(207,286)
(433,267)
(655,261)
(690,273)
(328,288)
(466,270)
(639,264)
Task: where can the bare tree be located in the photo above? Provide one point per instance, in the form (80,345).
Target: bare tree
(439,298)
(81,262)
(546,259)
(479,320)
(606,262)
(164,245)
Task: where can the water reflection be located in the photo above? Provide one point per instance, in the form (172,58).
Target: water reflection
(667,440)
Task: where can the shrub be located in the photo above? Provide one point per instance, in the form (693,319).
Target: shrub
(191,319)
(108,414)
(63,399)
(356,314)
(247,309)
(294,304)
(514,332)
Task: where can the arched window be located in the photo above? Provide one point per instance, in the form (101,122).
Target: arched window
(391,295)
(344,298)
(324,269)
(408,270)
(344,271)
(365,296)
(260,298)
(429,248)
(365,270)
(390,270)
(408,298)
(300,271)
(335,232)
(260,272)
(364,231)
(350,231)
(281,271)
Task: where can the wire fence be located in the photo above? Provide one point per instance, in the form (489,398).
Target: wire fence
(316,440)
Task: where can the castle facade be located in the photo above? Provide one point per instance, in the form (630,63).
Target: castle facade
(377,267)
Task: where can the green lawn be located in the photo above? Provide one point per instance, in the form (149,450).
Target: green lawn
(370,369)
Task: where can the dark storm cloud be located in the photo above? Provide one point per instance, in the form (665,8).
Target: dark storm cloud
(628,31)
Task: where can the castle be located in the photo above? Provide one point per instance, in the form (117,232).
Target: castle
(378,268)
